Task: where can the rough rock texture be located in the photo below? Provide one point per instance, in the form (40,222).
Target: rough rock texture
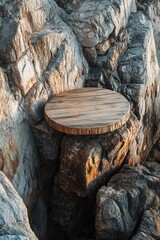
(152,10)
(18,156)
(42,51)
(94,21)
(14,223)
(37,60)
(85,165)
(130,66)
(119,45)
(39,57)
(86,160)
(128,207)
(139,73)
(154,155)
(122,56)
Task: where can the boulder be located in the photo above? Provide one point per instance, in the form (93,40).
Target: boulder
(95,21)
(14,223)
(128,207)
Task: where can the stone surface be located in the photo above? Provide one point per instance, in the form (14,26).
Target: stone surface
(18,154)
(129,66)
(14,223)
(152,10)
(86,161)
(95,78)
(128,207)
(139,94)
(85,165)
(94,21)
(139,74)
(13,237)
(154,155)
(39,57)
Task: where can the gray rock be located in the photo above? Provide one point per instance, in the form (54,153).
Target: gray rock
(94,21)
(40,56)
(129,200)
(154,155)
(13,213)
(150,225)
(139,74)
(152,10)
(13,237)
(95,78)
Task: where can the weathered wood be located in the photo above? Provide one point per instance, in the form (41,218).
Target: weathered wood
(87,111)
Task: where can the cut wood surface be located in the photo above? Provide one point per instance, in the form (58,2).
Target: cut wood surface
(87,111)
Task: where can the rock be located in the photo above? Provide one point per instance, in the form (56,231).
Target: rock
(94,21)
(13,237)
(103,46)
(158,56)
(90,54)
(72,213)
(13,213)
(120,213)
(139,74)
(154,155)
(152,10)
(69,5)
(95,78)
(85,165)
(136,22)
(39,57)
(150,226)
(27,60)
(110,60)
(86,161)
(16,144)
(48,145)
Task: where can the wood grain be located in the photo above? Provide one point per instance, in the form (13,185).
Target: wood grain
(87,111)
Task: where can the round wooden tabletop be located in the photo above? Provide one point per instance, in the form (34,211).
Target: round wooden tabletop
(87,111)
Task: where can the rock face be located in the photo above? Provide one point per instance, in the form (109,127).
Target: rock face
(122,53)
(154,155)
(128,207)
(39,57)
(14,223)
(151,9)
(37,60)
(94,21)
(139,71)
(85,165)
(45,50)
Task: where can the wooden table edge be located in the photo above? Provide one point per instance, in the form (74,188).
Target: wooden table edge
(88,131)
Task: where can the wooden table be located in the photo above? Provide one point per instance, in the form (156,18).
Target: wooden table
(87,111)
